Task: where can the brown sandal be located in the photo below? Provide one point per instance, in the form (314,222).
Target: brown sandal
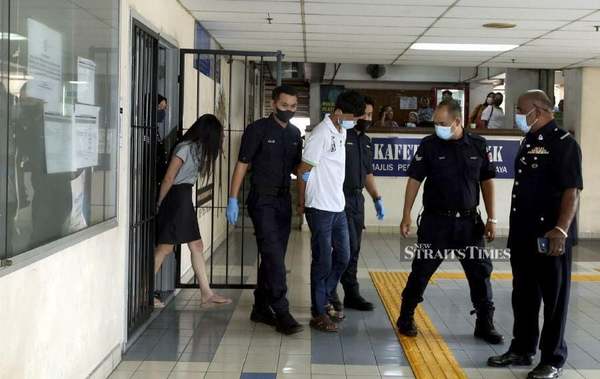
(324,324)
(335,316)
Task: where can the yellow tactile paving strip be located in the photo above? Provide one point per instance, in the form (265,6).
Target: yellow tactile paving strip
(508,276)
(428,354)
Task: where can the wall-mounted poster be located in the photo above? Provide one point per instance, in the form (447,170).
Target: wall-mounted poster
(44,65)
(86,81)
(408,102)
(329,94)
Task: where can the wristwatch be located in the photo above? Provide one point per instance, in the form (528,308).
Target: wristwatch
(492,220)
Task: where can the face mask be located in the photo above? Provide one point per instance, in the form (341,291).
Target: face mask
(363,125)
(284,116)
(411,125)
(347,124)
(521,121)
(490,100)
(160,116)
(443,132)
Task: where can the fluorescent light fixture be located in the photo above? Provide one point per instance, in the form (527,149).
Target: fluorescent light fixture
(462,47)
(12,36)
(77,82)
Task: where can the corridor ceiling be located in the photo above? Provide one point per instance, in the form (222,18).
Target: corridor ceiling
(549,33)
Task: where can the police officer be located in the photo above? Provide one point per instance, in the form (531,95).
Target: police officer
(456,165)
(544,201)
(359,174)
(273,146)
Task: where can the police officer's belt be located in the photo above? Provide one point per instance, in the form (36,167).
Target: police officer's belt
(271,191)
(453,212)
(352,191)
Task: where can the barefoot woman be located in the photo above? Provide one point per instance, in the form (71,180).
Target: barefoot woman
(177,222)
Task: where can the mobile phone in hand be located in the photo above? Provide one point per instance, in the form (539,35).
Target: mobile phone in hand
(543,245)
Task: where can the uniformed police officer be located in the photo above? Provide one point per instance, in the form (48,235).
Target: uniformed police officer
(544,202)
(455,164)
(273,146)
(359,175)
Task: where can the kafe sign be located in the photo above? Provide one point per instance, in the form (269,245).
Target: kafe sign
(392,156)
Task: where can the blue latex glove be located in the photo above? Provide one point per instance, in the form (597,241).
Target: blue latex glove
(305,176)
(379,209)
(233,210)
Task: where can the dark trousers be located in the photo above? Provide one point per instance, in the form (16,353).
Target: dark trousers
(437,233)
(330,247)
(536,278)
(271,217)
(355,215)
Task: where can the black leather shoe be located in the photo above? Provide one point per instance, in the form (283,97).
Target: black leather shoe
(407,327)
(484,326)
(545,372)
(359,303)
(510,358)
(287,324)
(265,316)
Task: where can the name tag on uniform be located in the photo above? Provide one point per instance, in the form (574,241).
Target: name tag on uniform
(474,158)
(442,157)
(539,150)
(271,141)
(349,143)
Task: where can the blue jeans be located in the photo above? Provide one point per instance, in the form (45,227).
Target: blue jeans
(330,245)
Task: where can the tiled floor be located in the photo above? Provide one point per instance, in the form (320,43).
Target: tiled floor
(190,341)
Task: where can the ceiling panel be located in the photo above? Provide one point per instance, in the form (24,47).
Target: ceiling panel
(256,26)
(352,22)
(259,35)
(582,26)
(473,39)
(571,35)
(534,4)
(278,18)
(384,2)
(510,14)
(374,10)
(484,32)
(477,23)
(369,38)
(374,30)
(247,6)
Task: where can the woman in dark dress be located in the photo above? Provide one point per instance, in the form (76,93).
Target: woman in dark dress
(177,221)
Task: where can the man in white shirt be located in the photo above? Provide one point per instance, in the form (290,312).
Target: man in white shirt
(321,197)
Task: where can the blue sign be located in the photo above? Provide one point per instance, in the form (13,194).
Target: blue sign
(202,39)
(392,156)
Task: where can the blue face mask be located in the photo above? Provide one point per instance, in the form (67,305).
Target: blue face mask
(443,132)
(347,124)
(521,121)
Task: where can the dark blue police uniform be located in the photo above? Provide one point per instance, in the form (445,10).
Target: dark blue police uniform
(453,171)
(548,163)
(273,152)
(359,164)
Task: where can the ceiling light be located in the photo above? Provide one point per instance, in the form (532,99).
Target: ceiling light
(12,36)
(499,25)
(462,47)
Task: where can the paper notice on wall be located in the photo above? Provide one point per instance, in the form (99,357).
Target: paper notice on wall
(408,102)
(58,142)
(72,142)
(44,65)
(77,219)
(87,136)
(86,81)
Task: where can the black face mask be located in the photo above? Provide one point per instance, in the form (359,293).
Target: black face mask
(284,116)
(161,115)
(363,125)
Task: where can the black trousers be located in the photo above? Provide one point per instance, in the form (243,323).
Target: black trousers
(355,214)
(535,278)
(272,218)
(437,234)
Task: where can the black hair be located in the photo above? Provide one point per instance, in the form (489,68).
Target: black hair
(382,109)
(207,134)
(351,102)
(161,98)
(500,98)
(369,101)
(491,94)
(447,92)
(284,88)
(452,106)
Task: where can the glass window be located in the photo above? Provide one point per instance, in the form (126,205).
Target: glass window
(62,119)
(3,122)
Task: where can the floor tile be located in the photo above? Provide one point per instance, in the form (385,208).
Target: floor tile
(358,370)
(191,366)
(322,369)
(186,375)
(151,375)
(129,365)
(152,366)
(121,374)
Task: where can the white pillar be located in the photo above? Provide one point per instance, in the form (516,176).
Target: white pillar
(517,82)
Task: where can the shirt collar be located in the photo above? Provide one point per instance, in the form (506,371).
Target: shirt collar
(330,125)
(544,130)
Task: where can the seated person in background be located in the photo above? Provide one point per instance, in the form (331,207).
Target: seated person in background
(493,115)
(425,111)
(386,118)
(475,116)
(413,120)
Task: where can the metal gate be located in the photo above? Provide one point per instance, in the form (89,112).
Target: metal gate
(229,255)
(142,175)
